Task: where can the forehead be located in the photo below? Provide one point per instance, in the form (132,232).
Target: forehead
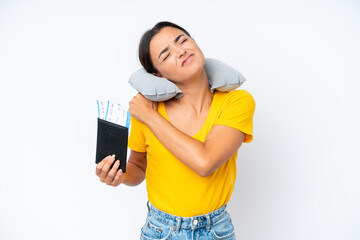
(166,34)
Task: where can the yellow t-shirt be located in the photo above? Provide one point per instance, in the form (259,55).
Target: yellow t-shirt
(175,188)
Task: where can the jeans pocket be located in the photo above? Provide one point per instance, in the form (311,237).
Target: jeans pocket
(223,228)
(153,230)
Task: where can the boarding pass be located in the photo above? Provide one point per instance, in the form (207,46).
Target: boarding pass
(113,112)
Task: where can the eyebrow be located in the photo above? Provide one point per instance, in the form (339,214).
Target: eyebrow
(175,41)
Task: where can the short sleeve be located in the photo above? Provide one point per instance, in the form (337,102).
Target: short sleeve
(238,112)
(136,140)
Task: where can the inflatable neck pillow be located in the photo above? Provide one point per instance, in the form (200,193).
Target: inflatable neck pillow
(221,77)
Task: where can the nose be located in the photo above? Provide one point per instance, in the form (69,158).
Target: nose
(180,51)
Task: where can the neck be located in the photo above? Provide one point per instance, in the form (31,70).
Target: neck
(196,91)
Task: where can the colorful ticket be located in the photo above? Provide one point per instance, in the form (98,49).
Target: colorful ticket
(113,112)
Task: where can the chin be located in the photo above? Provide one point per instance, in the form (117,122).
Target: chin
(197,66)
(193,69)
(197,63)
(190,73)
(201,58)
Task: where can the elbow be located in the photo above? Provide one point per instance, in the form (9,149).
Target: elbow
(204,173)
(204,169)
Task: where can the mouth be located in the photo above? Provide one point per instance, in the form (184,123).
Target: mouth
(187,59)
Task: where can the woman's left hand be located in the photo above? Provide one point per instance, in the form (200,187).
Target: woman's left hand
(142,108)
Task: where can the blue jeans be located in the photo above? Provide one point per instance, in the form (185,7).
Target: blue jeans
(161,225)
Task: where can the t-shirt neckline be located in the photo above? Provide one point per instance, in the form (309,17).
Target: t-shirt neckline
(207,117)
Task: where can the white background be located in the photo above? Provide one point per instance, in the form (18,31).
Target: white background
(298,179)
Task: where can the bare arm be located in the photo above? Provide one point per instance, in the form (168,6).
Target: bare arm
(135,170)
(204,158)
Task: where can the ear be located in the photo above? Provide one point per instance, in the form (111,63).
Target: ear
(157,75)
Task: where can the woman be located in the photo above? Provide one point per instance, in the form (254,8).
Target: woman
(187,147)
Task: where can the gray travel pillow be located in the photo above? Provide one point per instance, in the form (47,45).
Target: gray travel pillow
(221,77)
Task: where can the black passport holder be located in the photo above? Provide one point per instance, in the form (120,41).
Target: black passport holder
(112,139)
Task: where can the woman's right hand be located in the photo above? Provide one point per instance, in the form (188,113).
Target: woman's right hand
(109,176)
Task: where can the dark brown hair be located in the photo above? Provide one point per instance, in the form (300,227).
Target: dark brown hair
(144,46)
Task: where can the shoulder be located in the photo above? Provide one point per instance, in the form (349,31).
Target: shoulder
(236,96)
(242,93)
(136,124)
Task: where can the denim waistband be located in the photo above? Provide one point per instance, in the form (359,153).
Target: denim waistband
(186,222)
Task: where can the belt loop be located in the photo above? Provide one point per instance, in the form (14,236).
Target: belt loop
(147,204)
(178,224)
(208,220)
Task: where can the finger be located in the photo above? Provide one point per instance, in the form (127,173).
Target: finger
(119,178)
(106,168)
(139,96)
(111,175)
(100,165)
(154,105)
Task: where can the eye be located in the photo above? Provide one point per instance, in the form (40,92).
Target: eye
(166,57)
(184,41)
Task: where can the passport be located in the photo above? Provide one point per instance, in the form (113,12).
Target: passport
(112,139)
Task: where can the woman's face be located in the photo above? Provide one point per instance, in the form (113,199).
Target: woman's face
(175,55)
